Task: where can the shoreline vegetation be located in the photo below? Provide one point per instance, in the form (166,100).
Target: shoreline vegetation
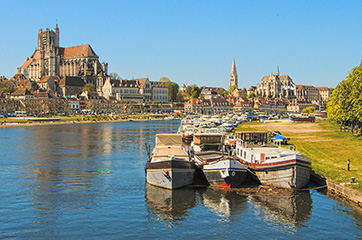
(324,143)
(77,119)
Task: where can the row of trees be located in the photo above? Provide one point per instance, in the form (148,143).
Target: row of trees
(345,103)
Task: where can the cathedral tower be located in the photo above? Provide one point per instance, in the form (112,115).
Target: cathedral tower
(233,76)
(48,44)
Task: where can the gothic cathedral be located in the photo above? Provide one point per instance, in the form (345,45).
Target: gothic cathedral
(51,60)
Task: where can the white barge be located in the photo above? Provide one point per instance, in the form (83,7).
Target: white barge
(271,164)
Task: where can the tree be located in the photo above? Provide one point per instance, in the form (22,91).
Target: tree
(251,95)
(34,86)
(5,90)
(193,91)
(114,75)
(345,103)
(164,80)
(172,91)
(89,87)
(8,86)
(172,88)
(308,110)
(232,88)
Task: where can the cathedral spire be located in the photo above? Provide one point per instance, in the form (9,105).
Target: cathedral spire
(278,70)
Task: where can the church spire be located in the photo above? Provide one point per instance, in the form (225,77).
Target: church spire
(233,76)
(278,70)
(233,68)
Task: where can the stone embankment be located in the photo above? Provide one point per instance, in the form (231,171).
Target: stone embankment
(339,189)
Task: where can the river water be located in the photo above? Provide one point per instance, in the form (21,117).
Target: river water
(87,181)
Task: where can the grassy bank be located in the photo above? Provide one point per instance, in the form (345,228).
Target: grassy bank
(324,144)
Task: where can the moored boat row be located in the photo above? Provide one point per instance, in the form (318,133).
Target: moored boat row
(225,161)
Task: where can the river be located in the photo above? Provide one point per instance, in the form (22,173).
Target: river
(87,181)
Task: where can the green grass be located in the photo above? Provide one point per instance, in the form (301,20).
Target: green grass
(328,149)
(13,120)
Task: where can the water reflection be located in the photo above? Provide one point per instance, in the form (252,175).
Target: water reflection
(292,209)
(224,204)
(170,205)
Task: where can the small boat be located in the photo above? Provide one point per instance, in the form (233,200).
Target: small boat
(271,164)
(303,118)
(220,170)
(169,165)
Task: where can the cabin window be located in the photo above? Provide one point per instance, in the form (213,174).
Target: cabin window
(244,154)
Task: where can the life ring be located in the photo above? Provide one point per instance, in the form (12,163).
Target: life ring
(233,173)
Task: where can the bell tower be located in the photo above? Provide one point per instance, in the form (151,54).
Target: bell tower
(48,44)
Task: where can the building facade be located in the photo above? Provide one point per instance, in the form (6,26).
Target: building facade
(135,90)
(276,86)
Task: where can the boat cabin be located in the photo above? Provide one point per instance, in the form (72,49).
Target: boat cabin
(253,137)
(207,141)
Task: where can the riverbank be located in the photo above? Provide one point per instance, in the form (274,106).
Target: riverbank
(327,147)
(23,123)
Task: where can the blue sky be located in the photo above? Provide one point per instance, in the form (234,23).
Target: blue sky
(194,42)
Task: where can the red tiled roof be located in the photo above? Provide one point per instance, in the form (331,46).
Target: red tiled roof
(44,79)
(322,88)
(78,51)
(141,81)
(35,56)
(284,77)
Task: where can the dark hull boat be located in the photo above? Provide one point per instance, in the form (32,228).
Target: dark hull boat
(169,166)
(222,171)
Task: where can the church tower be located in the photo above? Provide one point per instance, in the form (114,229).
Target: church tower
(233,76)
(48,44)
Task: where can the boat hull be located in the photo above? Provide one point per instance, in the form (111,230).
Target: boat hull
(170,174)
(292,175)
(225,173)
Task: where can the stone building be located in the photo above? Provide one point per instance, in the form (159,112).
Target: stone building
(49,83)
(159,92)
(276,86)
(49,59)
(135,90)
(122,90)
(208,106)
(324,93)
(71,86)
(307,92)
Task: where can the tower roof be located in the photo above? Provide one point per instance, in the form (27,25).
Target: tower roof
(233,68)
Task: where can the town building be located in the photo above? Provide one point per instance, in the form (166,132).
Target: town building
(21,94)
(209,92)
(71,86)
(159,92)
(49,83)
(307,92)
(324,93)
(135,90)
(49,59)
(122,90)
(208,106)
